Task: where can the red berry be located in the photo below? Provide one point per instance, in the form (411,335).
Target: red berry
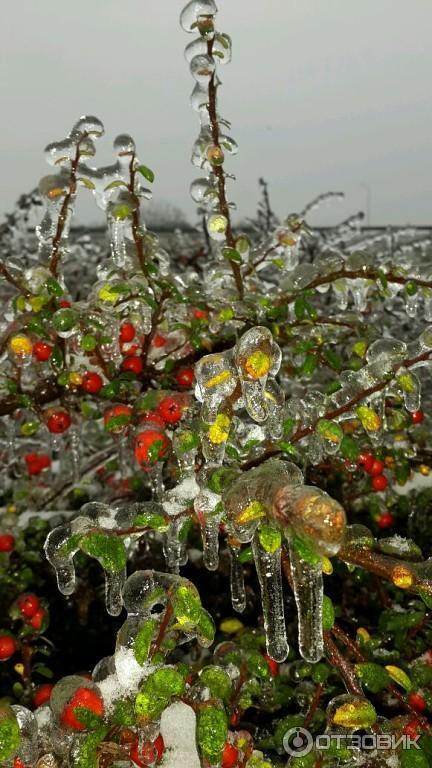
(230,756)
(117,418)
(127,333)
(42,351)
(159,340)
(379,483)
(366,461)
(170,410)
(151,445)
(428,657)
(8,647)
(411,729)
(130,350)
(18,763)
(132,365)
(91,382)
(64,304)
(58,421)
(385,521)
(377,468)
(272,665)
(42,694)
(417,702)
(149,754)
(7,542)
(200,314)
(37,619)
(185,377)
(28,604)
(83,698)
(417,417)
(36,462)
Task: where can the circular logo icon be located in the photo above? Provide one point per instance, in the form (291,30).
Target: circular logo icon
(298,742)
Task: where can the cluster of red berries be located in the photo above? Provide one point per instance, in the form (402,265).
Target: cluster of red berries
(375,468)
(130,349)
(31,610)
(36,462)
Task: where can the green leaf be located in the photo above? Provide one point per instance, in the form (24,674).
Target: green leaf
(147,173)
(373,676)
(231,254)
(108,549)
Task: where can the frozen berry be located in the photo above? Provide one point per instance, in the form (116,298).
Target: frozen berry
(170,410)
(159,340)
(117,418)
(385,520)
(366,460)
(200,314)
(151,445)
(42,694)
(132,365)
(379,483)
(8,647)
(272,665)
(37,619)
(7,542)
(91,382)
(417,701)
(28,605)
(83,698)
(127,333)
(65,304)
(417,417)
(42,351)
(36,462)
(411,729)
(230,756)
(377,468)
(130,350)
(148,754)
(58,421)
(185,377)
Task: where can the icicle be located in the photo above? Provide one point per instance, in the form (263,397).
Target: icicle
(308,591)
(238,593)
(114,583)
(56,550)
(210,539)
(75,454)
(174,547)
(268,566)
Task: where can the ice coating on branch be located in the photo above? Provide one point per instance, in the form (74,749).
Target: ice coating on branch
(95,532)
(145,593)
(242,372)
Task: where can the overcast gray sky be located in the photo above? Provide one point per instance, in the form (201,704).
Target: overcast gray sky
(322,94)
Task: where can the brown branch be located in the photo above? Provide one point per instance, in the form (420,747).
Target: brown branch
(55,253)
(220,174)
(369,273)
(13,280)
